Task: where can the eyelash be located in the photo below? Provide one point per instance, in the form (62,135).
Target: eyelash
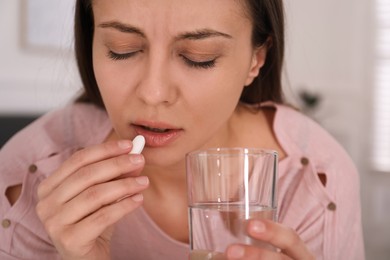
(193,64)
(116,56)
(199,64)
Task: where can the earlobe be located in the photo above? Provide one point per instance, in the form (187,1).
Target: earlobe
(258,59)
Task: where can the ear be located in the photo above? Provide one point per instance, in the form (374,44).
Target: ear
(258,59)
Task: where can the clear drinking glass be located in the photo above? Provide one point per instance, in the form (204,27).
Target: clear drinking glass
(226,188)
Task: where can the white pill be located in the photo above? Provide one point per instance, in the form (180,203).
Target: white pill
(138,144)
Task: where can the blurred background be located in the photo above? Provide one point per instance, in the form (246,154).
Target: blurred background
(337,71)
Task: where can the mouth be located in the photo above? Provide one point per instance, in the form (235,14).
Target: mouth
(155,130)
(157,134)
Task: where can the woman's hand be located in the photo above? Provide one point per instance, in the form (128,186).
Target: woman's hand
(275,234)
(87,195)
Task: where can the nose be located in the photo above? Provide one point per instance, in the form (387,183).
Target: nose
(156,86)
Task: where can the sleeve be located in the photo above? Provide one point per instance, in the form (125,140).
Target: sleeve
(22,162)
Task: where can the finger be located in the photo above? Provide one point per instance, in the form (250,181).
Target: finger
(87,177)
(237,251)
(96,173)
(81,158)
(98,196)
(279,236)
(94,225)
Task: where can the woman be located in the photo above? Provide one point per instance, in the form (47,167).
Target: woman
(186,75)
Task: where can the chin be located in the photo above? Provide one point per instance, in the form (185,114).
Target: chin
(162,158)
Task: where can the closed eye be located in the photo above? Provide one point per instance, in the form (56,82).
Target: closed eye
(199,64)
(194,64)
(121,56)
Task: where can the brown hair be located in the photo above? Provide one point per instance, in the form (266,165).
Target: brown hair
(268,28)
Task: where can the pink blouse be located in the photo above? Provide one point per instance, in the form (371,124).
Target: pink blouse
(327,218)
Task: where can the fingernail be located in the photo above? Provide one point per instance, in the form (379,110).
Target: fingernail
(124,144)
(137,197)
(136,158)
(236,251)
(257,226)
(143,180)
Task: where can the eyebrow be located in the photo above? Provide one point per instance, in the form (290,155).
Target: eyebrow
(122,28)
(195,35)
(202,34)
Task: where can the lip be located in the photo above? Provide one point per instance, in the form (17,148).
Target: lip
(155,139)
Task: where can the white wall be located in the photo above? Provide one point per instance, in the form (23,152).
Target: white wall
(32,80)
(326,55)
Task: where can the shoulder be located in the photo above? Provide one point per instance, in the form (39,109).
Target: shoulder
(308,143)
(300,135)
(73,126)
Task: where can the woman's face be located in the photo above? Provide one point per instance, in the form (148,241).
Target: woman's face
(173,71)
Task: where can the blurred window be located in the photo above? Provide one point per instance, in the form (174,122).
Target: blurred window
(381,134)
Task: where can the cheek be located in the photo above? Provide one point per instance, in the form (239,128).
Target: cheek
(101,73)
(217,93)
(214,101)
(112,77)
(111,85)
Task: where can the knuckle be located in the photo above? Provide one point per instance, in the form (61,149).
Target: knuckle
(131,186)
(129,183)
(121,164)
(102,217)
(40,209)
(51,226)
(118,162)
(92,194)
(85,174)
(79,157)
(123,187)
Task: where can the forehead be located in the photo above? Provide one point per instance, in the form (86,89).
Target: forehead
(173,16)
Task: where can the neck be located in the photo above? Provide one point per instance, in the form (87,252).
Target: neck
(172,179)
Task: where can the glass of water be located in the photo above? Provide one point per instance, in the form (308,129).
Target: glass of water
(226,188)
